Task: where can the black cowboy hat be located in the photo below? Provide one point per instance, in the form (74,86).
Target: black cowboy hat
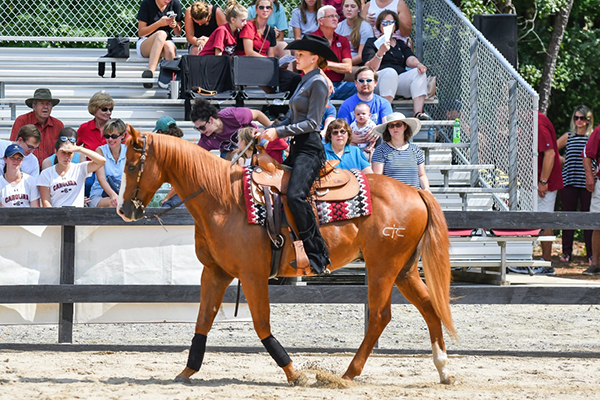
(315,44)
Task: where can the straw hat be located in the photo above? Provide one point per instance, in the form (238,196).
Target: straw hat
(413,123)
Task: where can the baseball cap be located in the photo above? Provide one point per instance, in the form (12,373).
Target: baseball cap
(13,149)
(164,123)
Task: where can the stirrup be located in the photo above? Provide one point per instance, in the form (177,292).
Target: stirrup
(306,271)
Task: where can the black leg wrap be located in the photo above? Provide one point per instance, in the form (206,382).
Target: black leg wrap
(276,351)
(197,351)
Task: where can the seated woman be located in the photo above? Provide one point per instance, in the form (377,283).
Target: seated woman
(204,18)
(304,18)
(338,147)
(91,133)
(277,20)
(355,28)
(63,184)
(17,189)
(372,9)
(258,39)
(390,61)
(105,190)
(218,129)
(396,157)
(157,21)
(224,40)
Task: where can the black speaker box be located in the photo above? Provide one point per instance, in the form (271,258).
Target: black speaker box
(501,31)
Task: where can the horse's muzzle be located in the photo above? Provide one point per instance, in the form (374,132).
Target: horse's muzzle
(129,212)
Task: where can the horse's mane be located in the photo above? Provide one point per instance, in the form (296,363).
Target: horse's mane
(202,168)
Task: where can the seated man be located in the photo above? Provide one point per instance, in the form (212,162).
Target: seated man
(42,104)
(327,18)
(28,139)
(365,80)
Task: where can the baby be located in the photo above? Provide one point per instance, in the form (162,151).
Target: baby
(362,126)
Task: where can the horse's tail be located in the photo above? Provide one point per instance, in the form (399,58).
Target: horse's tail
(436,260)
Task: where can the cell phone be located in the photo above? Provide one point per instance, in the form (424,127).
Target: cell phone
(171,14)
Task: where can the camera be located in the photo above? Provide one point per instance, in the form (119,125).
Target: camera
(171,14)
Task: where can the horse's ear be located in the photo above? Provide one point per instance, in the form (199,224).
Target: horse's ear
(134,137)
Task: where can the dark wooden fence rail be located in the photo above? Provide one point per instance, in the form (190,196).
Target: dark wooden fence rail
(67,293)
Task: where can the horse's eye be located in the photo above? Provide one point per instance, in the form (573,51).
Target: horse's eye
(131,167)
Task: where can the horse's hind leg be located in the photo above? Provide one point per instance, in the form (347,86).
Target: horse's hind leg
(256,290)
(415,291)
(214,282)
(380,314)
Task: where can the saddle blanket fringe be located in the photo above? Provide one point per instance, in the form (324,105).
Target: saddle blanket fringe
(327,211)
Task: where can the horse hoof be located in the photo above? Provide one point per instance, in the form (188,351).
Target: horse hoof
(448,381)
(300,380)
(182,379)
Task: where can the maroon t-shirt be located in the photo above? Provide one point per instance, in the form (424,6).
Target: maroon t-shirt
(340,45)
(223,39)
(339,7)
(547,140)
(592,149)
(261,44)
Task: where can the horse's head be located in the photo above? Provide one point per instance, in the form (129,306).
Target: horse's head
(141,176)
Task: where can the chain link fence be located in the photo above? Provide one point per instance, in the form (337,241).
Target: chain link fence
(501,128)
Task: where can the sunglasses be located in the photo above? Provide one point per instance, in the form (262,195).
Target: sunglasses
(105,109)
(261,8)
(200,128)
(580,118)
(365,80)
(113,136)
(340,132)
(395,125)
(387,22)
(70,139)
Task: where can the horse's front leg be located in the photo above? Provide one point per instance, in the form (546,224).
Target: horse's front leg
(256,290)
(214,282)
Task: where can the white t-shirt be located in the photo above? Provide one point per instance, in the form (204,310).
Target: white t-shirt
(67,190)
(30,165)
(19,195)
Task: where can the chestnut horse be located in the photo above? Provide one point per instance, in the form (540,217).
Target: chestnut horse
(405,223)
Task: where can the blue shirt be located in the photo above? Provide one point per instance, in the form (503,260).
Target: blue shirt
(329,112)
(352,158)
(401,165)
(112,167)
(277,19)
(379,106)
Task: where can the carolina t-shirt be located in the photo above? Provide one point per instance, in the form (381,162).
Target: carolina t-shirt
(261,44)
(592,149)
(547,140)
(67,190)
(19,195)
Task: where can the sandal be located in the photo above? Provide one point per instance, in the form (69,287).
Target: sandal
(422,116)
(565,258)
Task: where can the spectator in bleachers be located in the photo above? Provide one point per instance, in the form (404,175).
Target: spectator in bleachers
(77,158)
(205,19)
(549,182)
(63,184)
(259,40)
(105,190)
(338,5)
(355,28)
(372,9)
(91,134)
(328,117)
(327,18)
(396,157)
(278,21)
(362,127)
(575,191)
(304,18)
(591,165)
(28,139)
(365,80)
(218,129)
(224,40)
(158,20)
(17,189)
(338,147)
(390,60)
(274,148)
(42,104)
(168,126)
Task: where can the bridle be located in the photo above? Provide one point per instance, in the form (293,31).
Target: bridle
(137,203)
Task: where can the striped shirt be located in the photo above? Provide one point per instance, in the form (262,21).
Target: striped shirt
(573,172)
(401,165)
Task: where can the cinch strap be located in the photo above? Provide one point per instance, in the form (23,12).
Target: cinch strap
(197,351)
(276,351)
